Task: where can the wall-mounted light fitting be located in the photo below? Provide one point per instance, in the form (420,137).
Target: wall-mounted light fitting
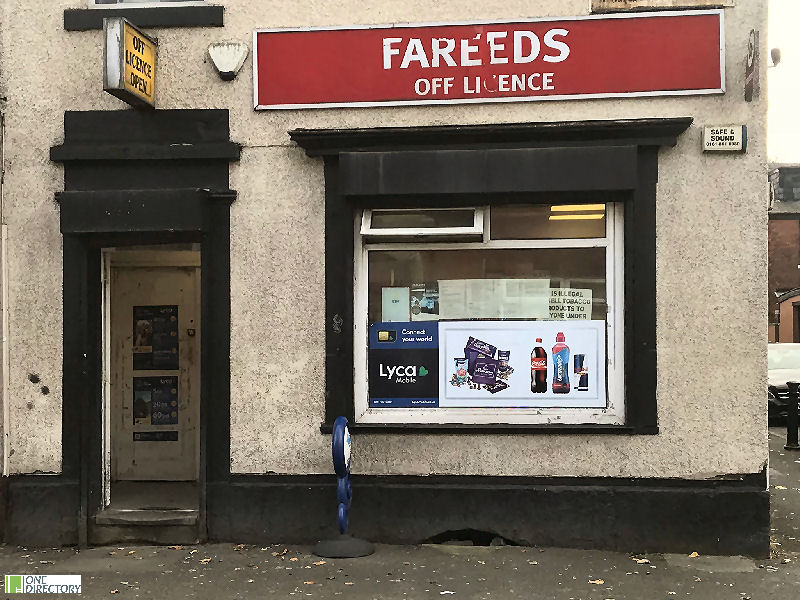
(228,58)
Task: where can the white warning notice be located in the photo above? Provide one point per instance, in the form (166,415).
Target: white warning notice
(570,303)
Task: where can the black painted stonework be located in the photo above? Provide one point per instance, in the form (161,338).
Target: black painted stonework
(711,517)
(495,164)
(185,198)
(83,19)
(42,510)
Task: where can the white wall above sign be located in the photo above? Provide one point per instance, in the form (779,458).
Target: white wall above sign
(725,138)
(613,5)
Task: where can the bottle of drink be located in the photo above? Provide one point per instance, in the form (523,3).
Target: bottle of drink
(538,369)
(560,366)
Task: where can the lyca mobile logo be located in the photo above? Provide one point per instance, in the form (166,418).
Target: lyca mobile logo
(402,373)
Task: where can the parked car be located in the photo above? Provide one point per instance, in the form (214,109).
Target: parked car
(783,364)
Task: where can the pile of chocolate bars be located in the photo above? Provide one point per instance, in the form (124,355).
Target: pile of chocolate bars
(483,371)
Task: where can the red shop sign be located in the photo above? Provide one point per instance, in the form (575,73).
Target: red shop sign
(597,56)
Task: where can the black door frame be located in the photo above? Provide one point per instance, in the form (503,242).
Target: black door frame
(134,178)
(208,224)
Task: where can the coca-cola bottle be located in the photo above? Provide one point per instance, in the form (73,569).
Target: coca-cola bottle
(538,368)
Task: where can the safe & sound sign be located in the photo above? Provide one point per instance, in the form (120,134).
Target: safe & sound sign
(130,63)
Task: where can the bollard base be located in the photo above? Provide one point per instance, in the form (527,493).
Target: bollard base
(345,546)
(792,447)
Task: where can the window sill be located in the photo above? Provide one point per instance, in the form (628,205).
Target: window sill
(85,19)
(504,428)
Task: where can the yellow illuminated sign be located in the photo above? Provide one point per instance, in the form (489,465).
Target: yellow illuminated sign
(140,65)
(130,63)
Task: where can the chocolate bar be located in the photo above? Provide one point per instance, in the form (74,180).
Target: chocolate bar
(485,371)
(480,346)
(472,356)
(497,387)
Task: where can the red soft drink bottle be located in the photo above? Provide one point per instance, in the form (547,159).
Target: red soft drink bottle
(538,369)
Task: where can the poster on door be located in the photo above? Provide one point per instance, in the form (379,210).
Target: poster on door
(155,400)
(155,338)
(522,364)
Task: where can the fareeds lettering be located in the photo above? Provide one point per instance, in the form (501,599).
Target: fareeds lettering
(518,47)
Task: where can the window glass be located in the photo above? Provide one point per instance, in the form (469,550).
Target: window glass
(520,326)
(548,221)
(112,2)
(413,219)
(529,284)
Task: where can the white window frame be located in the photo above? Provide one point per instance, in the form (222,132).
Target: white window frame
(398,233)
(612,414)
(147,4)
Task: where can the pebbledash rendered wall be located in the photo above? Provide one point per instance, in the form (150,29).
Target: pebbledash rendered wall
(711,251)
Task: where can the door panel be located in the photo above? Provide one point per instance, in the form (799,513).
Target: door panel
(155,373)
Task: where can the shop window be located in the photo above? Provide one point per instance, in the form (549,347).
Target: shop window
(506,314)
(142,3)
(428,224)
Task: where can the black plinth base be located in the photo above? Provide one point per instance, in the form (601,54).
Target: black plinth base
(344,546)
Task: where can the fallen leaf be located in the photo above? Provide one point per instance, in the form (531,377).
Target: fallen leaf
(532,562)
(193,551)
(308,582)
(597,581)
(205,561)
(240,546)
(694,555)
(319,562)
(175,547)
(696,578)
(482,562)
(293,559)
(348,583)
(641,561)
(250,581)
(131,552)
(115,591)
(780,487)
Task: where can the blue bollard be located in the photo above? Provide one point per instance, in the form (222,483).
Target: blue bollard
(344,546)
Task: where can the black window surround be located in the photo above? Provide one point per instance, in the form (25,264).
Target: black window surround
(494,164)
(85,19)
